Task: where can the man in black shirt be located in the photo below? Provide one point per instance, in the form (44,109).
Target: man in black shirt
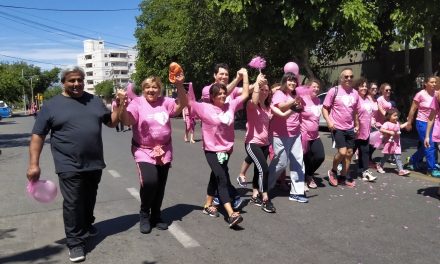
(74,120)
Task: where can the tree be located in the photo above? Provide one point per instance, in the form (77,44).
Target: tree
(105,89)
(52,91)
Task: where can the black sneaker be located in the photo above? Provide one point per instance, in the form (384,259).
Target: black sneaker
(76,254)
(159,223)
(93,231)
(268,207)
(144,223)
(235,220)
(256,200)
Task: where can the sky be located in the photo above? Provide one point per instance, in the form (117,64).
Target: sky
(49,39)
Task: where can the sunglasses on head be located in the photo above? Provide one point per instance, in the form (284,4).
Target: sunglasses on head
(348,77)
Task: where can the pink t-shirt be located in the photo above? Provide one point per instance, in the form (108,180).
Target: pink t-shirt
(343,110)
(365,113)
(152,129)
(386,105)
(217,124)
(436,128)
(257,126)
(424,99)
(391,146)
(234,94)
(282,126)
(310,118)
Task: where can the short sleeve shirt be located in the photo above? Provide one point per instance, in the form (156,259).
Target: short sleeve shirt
(75,127)
(424,99)
(343,109)
(282,126)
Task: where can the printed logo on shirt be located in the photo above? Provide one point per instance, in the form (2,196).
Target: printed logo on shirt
(225,118)
(347,100)
(160,117)
(315,110)
(368,107)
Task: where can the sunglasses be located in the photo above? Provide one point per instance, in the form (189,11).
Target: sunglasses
(388,90)
(348,77)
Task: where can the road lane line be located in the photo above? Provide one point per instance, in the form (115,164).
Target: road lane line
(186,240)
(134,192)
(182,236)
(114,173)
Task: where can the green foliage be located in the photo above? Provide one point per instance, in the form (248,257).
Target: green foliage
(105,89)
(15,80)
(51,92)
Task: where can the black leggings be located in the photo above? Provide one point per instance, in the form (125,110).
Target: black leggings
(153,179)
(314,157)
(219,181)
(259,154)
(363,147)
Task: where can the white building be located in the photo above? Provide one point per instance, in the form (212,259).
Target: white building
(101,64)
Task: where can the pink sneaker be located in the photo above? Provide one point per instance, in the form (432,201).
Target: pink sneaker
(332,178)
(379,168)
(350,183)
(404,172)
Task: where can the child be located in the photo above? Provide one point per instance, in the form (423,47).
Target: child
(391,136)
(189,124)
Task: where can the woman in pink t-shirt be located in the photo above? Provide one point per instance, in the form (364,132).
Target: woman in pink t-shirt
(422,104)
(384,103)
(190,123)
(286,139)
(312,144)
(372,94)
(218,140)
(149,115)
(365,115)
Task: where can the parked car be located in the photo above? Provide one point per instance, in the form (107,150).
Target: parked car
(5,110)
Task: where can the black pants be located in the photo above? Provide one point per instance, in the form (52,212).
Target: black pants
(79,193)
(219,181)
(153,181)
(314,157)
(363,147)
(259,154)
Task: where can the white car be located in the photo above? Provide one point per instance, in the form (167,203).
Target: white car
(322,122)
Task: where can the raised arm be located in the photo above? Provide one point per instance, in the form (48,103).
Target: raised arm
(230,87)
(256,89)
(244,76)
(124,116)
(181,94)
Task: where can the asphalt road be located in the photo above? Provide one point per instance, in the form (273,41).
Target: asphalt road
(394,220)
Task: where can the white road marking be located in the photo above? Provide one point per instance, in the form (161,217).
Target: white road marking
(114,173)
(182,236)
(175,229)
(134,192)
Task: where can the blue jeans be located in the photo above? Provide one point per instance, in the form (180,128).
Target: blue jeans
(428,153)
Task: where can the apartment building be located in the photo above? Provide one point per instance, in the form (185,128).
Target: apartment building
(102,64)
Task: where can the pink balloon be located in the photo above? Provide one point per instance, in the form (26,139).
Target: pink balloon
(130,91)
(291,67)
(44,191)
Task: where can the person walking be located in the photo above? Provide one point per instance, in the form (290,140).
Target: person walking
(218,139)
(149,116)
(340,112)
(422,104)
(74,120)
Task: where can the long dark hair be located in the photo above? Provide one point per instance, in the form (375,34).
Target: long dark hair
(288,76)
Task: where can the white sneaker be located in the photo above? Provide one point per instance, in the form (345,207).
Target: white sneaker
(368,176)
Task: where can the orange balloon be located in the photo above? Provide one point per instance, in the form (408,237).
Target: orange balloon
(175,70)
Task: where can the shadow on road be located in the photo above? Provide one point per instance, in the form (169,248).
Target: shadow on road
(39,255)
(111,227)
(178,212)
(14,140)
(432,191)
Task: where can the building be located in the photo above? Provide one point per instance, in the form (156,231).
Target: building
(101,64)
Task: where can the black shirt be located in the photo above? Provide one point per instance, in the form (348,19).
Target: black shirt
(75,126)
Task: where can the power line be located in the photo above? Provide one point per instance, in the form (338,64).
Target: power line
(71,10)
(17,58)
(60,30)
